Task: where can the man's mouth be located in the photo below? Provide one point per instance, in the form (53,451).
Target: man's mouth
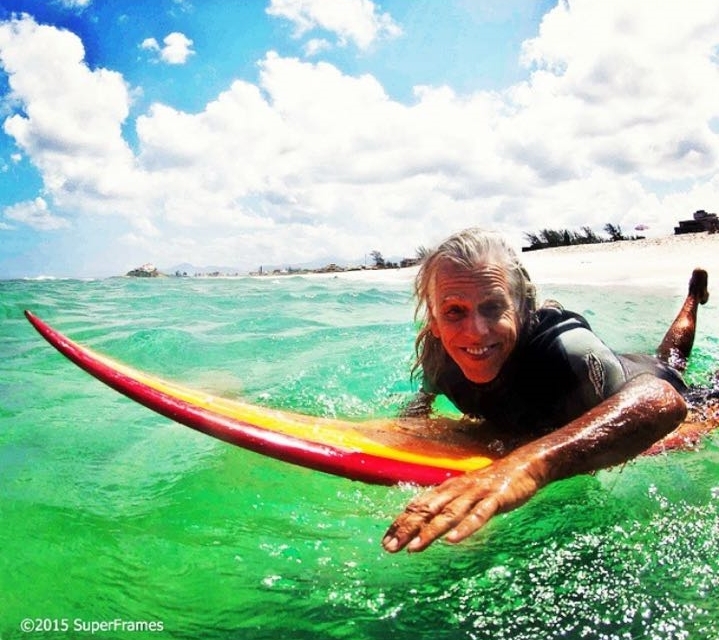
(480,352)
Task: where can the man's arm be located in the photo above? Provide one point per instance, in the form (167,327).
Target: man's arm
(611,433)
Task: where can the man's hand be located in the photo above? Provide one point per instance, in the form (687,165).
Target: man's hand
(462,505)
(616,430)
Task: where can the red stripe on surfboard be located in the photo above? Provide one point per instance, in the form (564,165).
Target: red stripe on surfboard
(346,463)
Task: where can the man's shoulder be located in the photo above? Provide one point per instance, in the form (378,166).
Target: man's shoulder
(550,322)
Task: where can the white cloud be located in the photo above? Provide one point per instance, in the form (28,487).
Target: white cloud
(613,125)
(70,126)
(35,213)
(176,50)
(315,46)
(351,20)
(150,44)
(76,4)
(632,82)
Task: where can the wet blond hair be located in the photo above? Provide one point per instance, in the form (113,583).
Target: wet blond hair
(467,249)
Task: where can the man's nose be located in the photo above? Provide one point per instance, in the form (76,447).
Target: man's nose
(479,324)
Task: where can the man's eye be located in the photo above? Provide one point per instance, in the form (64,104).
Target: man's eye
(492,309)
(453,313)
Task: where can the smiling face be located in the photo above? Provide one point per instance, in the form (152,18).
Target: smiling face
(473,315)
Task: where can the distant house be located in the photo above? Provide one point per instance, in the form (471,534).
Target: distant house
(330,268)
(701,221)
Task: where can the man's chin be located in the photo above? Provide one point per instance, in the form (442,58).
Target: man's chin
(479,377)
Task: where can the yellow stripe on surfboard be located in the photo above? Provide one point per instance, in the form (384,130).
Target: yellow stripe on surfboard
(319,430)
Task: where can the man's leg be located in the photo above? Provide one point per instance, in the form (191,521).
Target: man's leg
(677,343)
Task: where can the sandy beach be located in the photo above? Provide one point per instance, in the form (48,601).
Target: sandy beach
(665,262)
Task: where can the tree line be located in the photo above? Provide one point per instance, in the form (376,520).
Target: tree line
(547,238)
(544,239)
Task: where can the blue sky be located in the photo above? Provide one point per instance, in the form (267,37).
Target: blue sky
(284,132)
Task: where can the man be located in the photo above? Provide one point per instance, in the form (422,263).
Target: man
(564,402)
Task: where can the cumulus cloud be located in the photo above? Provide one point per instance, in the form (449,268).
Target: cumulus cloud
(613,124)
(634,84)
(70,124)
(36,214)
(176,50)
(354,21)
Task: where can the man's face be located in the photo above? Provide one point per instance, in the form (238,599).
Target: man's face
(473,315)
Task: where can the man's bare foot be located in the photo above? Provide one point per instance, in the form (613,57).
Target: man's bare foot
(698,286)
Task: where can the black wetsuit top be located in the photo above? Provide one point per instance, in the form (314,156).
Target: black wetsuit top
(559,370)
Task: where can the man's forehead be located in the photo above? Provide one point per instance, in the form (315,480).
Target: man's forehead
(451,278)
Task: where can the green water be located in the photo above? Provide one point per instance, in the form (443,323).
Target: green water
(109,512)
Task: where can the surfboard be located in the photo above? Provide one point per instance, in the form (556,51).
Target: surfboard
(419,451)
(390,451)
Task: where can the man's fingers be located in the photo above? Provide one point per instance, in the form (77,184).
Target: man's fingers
(406,527)
(425,520)
(461,506)
(482,513)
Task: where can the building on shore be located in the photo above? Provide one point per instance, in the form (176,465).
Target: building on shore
(701,221)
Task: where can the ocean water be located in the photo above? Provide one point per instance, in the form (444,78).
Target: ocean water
(112,514)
